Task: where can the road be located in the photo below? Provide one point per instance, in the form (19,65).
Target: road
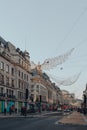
(40,123)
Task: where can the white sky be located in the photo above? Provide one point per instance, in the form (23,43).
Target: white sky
(48,28)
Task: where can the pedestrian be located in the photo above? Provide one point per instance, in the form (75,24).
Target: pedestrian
(10,110)
(25,111)
(84,111)
(4,111)
(21,110)
(15,110)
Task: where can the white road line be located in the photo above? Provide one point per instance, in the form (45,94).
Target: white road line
(85,119)
(56,123)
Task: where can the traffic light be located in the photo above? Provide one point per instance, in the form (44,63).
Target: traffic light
(26,94)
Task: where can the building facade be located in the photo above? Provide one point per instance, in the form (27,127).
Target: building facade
(14,76)
(20,86)
(44,91)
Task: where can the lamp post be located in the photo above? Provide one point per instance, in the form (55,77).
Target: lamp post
(26,97)
(85,100)
(40,107)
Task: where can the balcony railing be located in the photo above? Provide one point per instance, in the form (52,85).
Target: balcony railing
(11,96)
(7,96)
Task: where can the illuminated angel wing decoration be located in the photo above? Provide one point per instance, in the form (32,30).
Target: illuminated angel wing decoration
(53,62)
(65,82)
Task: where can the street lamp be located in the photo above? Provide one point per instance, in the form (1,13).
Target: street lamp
(26,96)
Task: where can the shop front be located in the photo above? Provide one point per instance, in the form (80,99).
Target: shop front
(2,105)
(9,105)
(20,104)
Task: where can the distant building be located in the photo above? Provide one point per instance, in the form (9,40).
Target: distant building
(68,98)
(42,86)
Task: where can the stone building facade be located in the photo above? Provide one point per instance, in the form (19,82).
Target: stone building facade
(19,85)
(43,88)
(14,76)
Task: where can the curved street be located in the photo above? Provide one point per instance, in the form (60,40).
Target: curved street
(41,122)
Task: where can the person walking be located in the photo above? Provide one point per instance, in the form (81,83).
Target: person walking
(84,111)
(4,111)
(10,110)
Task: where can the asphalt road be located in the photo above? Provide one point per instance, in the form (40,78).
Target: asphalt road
(40,123)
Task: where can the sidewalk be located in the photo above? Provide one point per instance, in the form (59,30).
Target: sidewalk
(75,118)
(29,115)
(18,115)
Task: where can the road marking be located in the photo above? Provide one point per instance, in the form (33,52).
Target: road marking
(85,119)
(56,123)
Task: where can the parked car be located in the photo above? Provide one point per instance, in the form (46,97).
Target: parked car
(67,111)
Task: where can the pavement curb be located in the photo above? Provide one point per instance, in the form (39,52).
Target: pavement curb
(28,116)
